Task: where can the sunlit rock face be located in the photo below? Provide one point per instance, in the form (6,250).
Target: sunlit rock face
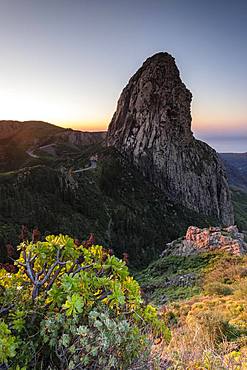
(152,126)
(197,240)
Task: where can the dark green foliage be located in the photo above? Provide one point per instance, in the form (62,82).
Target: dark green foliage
(172,265)
(113,201)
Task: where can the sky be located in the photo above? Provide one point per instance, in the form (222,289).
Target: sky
(67,61)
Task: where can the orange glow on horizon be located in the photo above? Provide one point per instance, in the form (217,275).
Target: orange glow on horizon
(86,126)
(23,106)
(40,106)
(198,125)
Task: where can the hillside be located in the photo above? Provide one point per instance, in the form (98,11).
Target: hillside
(177,273)
(20,140)
(202,298)
(113,201)
(150,182)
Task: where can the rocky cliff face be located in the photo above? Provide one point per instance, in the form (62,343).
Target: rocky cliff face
(80,138)
(152,126)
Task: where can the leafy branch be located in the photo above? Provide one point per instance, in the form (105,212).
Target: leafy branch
(40,278)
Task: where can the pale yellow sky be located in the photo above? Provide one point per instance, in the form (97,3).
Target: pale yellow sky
(93,115)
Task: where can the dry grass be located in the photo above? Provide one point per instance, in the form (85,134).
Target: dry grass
(191,349)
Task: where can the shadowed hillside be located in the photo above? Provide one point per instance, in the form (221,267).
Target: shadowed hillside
(113,201)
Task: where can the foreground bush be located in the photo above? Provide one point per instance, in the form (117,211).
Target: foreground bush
(73,307)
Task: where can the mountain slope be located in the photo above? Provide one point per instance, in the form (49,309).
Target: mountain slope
(177,273)
(202,298)
(113,201)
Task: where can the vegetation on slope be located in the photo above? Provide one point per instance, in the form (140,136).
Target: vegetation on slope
(207,312)
(73,306)
(172,278)
(114,201)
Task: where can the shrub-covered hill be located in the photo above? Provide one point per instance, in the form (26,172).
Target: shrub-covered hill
(113,201)
(178,273)
(203,299)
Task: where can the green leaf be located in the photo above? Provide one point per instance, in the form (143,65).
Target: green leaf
(73,305)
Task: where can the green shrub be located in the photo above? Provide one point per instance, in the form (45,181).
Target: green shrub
(8,343)
(73,307)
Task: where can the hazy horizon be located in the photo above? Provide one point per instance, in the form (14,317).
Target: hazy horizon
(225,144)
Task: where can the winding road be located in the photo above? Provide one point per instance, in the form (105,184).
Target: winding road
(92,166)
(31,154)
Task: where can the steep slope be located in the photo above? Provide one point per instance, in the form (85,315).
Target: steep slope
(152,127)
(201,290)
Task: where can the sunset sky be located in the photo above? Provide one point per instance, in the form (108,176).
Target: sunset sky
(67,61)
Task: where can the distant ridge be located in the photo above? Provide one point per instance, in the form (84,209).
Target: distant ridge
(236,167)
(17,138)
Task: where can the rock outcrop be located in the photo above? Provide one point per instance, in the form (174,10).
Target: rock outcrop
(152,127)
(198,240)
(80,138)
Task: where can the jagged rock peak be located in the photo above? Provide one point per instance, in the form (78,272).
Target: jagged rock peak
(152,127)
(150,105)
